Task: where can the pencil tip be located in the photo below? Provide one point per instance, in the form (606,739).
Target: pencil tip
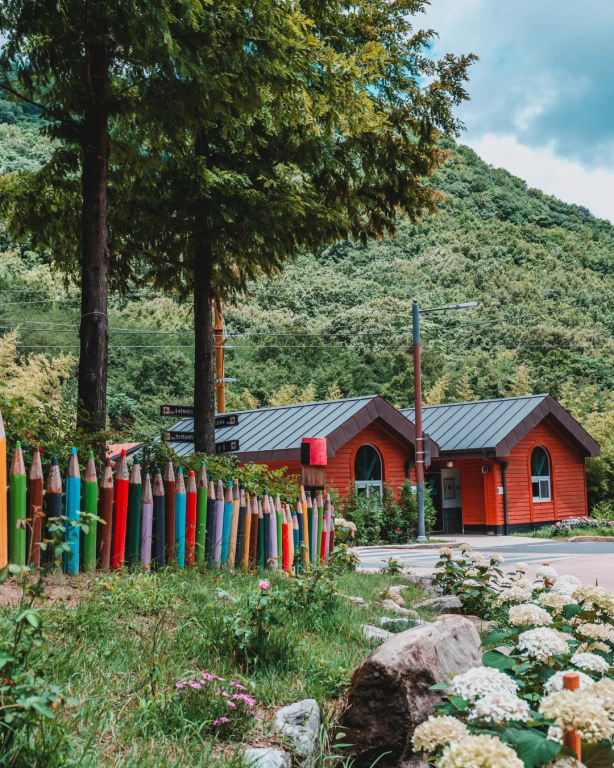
(54,461)
(123,453)
(90,455)
(137,460)
(18,446)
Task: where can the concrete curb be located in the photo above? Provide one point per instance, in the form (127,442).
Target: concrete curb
(591,538)
(392,547)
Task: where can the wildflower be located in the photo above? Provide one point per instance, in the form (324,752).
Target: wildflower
(529,615)
(513,595)
(479,752)
(231,704)
(522,567)
(581,710)
(500,708)
(220,721)
(590,662)
(264,585)
(541,644)
(480,681)
(446,552)
(237,685)
(547,572)
(555,683)
(437,731)
(596,632)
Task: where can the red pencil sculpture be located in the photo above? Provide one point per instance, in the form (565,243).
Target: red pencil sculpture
(285,541)
(190,525)
(120,513)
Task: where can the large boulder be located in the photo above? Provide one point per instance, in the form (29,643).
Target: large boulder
(376,634)
(389,692)
(427,583)
(266,757)
(448,604)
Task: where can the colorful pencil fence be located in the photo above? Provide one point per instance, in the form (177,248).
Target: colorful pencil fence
(155,521)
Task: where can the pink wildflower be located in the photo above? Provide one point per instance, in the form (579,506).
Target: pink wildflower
(220,720)
(264,585)
(238,685)
(231,704)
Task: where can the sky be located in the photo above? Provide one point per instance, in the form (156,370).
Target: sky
(542,94)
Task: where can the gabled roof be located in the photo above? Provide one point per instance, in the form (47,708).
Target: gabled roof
(498,425)
(275,434)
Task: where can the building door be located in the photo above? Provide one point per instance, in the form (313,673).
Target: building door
(432,483)
(451,500)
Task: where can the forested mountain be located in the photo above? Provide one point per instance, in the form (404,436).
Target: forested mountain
(337,323)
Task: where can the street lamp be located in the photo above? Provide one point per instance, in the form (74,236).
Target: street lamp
(416,311)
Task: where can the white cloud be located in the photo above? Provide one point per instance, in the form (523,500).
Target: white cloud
(544,169)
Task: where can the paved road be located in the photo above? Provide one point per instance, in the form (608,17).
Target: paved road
(589,561)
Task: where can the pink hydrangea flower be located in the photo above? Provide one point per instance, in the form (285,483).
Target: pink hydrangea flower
(264,585)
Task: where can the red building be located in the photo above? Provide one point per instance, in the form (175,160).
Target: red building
(496,465)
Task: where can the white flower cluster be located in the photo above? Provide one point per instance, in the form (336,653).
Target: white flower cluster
(529,615)
(541,644)
(596,632)
(496,559)
(604,690)
(590,662)
(478,559)
(522,567)
(555,683)
(471,583)
(437,731)
(578,709)
(513,595)
(341,523)
(446,552)
(566,585)
(465,548)
(481,681)
(500,708)
(597,597)
(547,572)
(555,601)
(479,752)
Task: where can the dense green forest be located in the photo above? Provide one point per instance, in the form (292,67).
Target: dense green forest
(337,323)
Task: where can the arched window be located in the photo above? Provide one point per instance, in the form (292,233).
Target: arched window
(368,470)
(540,475)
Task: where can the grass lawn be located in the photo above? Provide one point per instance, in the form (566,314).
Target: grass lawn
(119,644)
(564,532)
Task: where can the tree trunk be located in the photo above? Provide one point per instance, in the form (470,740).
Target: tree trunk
(204,351)
(94,328)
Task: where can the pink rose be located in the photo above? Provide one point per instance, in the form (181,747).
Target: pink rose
(264,585)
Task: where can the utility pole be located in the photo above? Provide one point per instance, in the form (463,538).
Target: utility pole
(421,539)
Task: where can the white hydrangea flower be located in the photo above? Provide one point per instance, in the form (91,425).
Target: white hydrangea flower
(471,583)
(589,647)
(480,681)
(437,731)
(604,690)
(596,596)
(522,567)
(472,572)
(478,559)
(590,662)
(513,595)
(465,548)
(555,601)
(446,552)
(500,708)
(541,644)
(496,559)
(479,752)
(578,709)
(564,762)
(529,615)
(596,631)
(555,734)
(524,584)
(547,572)
(566,585)
(555,683)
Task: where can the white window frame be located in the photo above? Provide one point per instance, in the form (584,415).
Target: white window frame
(545,479)
(377,485)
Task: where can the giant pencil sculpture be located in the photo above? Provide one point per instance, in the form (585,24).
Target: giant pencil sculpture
(234,526)
(279,520)
(218,528)
(328,509)
(35,510)
(158,541)
(273,551)
(169,511)
(120,511)
(201,514)
(266,539)
(320,526)
(285,542)
(180,519)
(291,521)
(297,532)
(91,507)
(146,523)
(4,549)
(309,530)
(190,519)
(53,497)
(304,536)
(227,523)
(73,506)
(246,532)
(263,533)
(17,508)
(240,529)
(105,505)
(210,529)
(253,534)
(133,526)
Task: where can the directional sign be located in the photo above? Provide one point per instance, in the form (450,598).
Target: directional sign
(223,420)
(229,446)
(181,437)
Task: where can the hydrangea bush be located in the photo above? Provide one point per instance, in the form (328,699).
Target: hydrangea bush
(514,710)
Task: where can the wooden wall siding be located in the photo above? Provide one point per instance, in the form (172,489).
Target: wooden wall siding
(472,491)
(568,479)
(340,470)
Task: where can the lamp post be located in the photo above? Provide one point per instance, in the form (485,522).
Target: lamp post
(416,311)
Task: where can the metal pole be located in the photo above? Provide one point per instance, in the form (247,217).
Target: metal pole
(418,422)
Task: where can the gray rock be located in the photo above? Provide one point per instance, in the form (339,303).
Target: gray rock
(390,691)
(480,624)
(427,583)
(390,605)
(376,633)
(357,601)
(267,757)
(300,722)
(394,593)
(448,604)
